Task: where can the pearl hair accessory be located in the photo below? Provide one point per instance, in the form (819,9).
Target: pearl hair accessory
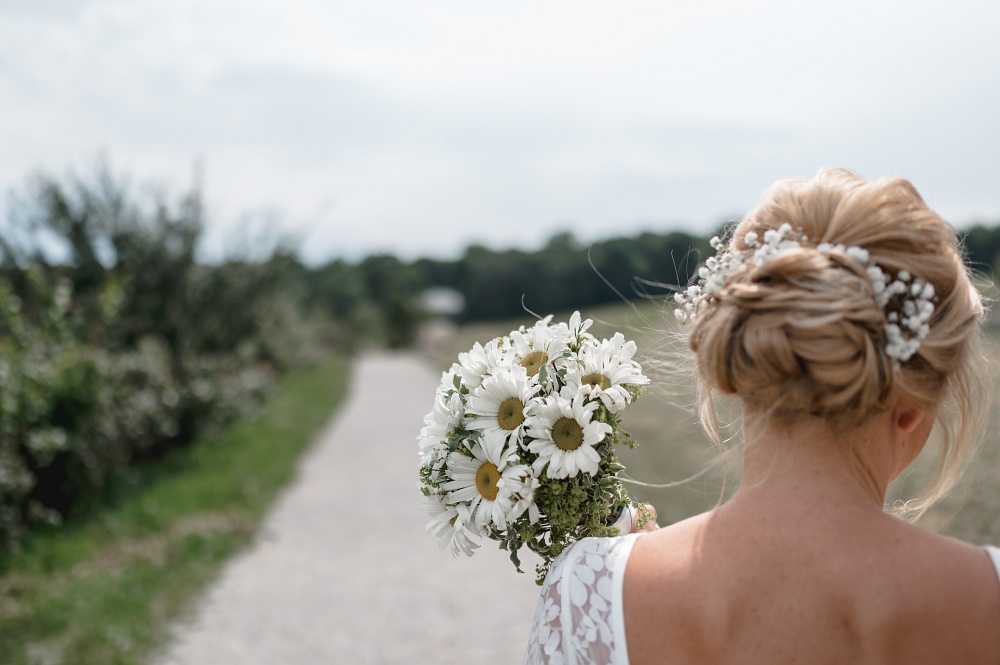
(908,302)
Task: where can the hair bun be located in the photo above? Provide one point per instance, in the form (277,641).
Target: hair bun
(804,323)
(809,328)
(799,335)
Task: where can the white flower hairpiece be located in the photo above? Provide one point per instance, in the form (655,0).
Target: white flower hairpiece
(908,302)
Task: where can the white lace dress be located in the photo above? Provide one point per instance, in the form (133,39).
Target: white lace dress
(579,618)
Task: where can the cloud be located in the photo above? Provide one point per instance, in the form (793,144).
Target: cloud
(390,125)
(57,10)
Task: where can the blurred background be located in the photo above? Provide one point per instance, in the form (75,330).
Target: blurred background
(211,207)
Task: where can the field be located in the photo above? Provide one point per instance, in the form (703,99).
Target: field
(675,453)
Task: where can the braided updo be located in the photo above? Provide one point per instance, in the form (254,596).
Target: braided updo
(802,334)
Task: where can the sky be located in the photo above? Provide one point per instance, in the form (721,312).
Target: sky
(418,127)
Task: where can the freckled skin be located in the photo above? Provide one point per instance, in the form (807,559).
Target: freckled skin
(803,566)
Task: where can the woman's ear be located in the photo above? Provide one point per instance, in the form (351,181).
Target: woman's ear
(911,426)
(908,418)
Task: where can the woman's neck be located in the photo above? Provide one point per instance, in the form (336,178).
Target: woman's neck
(806,463)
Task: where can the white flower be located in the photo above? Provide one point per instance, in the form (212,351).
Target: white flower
(513,421)
(541,345)
(898,347)
(434,458)
(563,436)
(448,380)
(445,415)
(858,254)
(908,302)
(578,326)
(522,492)
(605,369)
(909,306)
(775,242)
(448,523)
(712,276)
(481,361)
(485,483)
(497,407)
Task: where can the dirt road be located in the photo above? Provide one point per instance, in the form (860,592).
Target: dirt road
(343,572)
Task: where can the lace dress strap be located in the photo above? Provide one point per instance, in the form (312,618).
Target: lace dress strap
(579,618)
(994,553)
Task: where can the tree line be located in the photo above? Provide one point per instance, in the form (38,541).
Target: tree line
(564,274)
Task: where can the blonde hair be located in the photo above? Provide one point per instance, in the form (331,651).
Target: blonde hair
(802,334)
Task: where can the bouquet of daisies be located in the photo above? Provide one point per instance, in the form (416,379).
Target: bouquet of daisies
(520,444)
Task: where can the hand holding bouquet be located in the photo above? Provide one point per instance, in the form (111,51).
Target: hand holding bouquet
(520,444)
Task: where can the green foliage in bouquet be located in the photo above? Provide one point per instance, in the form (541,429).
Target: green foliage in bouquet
(520,445)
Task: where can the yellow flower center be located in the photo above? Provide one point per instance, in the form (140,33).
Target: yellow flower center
(486,480)
(567,434)
(597,381)
(511,413)
(534,361)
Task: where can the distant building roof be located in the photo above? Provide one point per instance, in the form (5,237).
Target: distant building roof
(442,301)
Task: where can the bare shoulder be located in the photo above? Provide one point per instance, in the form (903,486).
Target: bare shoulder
(657,552)
(667,562)
(898,587)
(943,591)
(942,567)
(893,550)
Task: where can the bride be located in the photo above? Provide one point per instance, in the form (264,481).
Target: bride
(841,315)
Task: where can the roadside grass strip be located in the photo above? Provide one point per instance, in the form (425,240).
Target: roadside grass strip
(102,589)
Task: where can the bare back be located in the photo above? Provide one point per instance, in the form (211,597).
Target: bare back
(746,585)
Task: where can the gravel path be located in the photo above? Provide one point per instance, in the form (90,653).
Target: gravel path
(343,572)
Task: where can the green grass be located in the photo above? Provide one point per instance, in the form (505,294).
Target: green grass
(673,447)
(102,589)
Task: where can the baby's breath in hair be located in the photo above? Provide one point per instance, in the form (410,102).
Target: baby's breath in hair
(908,302)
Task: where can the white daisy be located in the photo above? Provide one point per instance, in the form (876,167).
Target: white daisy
(448,379)
(484,482)
(446,415)
(577,328)
(541,345)
(434,459)
(497,407)
(480,361)
(605,369)
(564,436)
(523,494)
(448,523)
